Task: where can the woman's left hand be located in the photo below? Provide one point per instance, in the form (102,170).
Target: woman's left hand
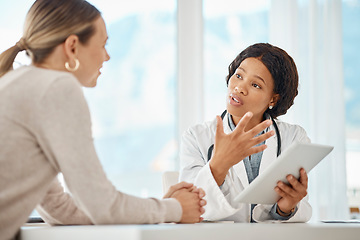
(177,187)
(190,187)
(292,193)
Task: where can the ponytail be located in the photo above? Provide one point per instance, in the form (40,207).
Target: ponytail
(48,24)
(7,57)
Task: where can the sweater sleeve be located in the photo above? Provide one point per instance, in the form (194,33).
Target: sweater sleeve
(65,137)
(58,208)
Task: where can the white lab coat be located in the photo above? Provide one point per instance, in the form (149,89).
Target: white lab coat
(194,167)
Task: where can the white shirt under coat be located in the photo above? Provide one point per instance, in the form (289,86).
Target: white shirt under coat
(194,167)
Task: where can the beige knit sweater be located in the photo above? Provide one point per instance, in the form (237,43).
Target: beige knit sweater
(45,128)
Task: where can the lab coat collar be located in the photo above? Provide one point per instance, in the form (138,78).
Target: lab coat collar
(226,125)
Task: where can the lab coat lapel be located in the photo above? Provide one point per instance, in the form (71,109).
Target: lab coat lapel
(270,153)
(241,173)
(226,126)
(239,168)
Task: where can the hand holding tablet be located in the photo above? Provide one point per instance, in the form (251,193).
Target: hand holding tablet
(297,156)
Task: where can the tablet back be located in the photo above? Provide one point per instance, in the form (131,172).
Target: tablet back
(297,156)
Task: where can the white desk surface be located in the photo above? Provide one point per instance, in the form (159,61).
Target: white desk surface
(222,231)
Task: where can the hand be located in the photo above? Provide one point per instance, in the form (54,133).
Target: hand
(293,193)
(176,187)
(201,193)
(230,149)
(173,192)
(191,204)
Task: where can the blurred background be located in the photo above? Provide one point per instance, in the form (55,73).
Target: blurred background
(167,71)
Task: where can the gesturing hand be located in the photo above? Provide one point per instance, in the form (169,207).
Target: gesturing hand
(230,149)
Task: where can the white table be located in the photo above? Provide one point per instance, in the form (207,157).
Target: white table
(222,231)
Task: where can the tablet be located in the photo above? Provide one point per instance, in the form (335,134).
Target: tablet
(297,156)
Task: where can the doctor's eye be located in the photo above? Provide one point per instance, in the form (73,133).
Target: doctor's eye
(256,86)
(238,76)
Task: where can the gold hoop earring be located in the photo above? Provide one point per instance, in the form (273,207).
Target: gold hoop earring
(77,65)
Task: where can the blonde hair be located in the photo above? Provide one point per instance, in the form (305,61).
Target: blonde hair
(48,24)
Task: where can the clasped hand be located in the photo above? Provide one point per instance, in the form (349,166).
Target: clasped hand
(191,201)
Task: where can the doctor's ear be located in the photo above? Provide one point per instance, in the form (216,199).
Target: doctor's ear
(71,45)
(274,99)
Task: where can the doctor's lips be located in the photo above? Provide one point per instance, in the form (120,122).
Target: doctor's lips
(235,99)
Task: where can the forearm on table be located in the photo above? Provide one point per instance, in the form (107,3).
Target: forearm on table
(58,207)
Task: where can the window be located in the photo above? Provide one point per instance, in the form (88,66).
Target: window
(133,107)
(229,27)
(351,50)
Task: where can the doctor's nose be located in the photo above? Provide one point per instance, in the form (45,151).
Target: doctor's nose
(239,89)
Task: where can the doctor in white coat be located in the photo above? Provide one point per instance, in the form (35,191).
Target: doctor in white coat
(224,155)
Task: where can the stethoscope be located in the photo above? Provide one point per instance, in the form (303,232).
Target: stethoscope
(211,148)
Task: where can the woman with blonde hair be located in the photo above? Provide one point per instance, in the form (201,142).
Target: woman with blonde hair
(46,129)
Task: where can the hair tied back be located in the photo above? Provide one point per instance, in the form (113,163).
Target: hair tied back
(21,44)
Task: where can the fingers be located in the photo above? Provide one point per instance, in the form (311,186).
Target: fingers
(255,130)
(290,194)
(257,140)
(260,127)
(182,185)
(299,189)
(200,191)
(219,126)
(262,137)
(279,191)
(191,205)
(286,190)
(192,202)
(202,210)
(303,178)
(203,202)
(243,122)
(256,149)
(177,187)
(295,190)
